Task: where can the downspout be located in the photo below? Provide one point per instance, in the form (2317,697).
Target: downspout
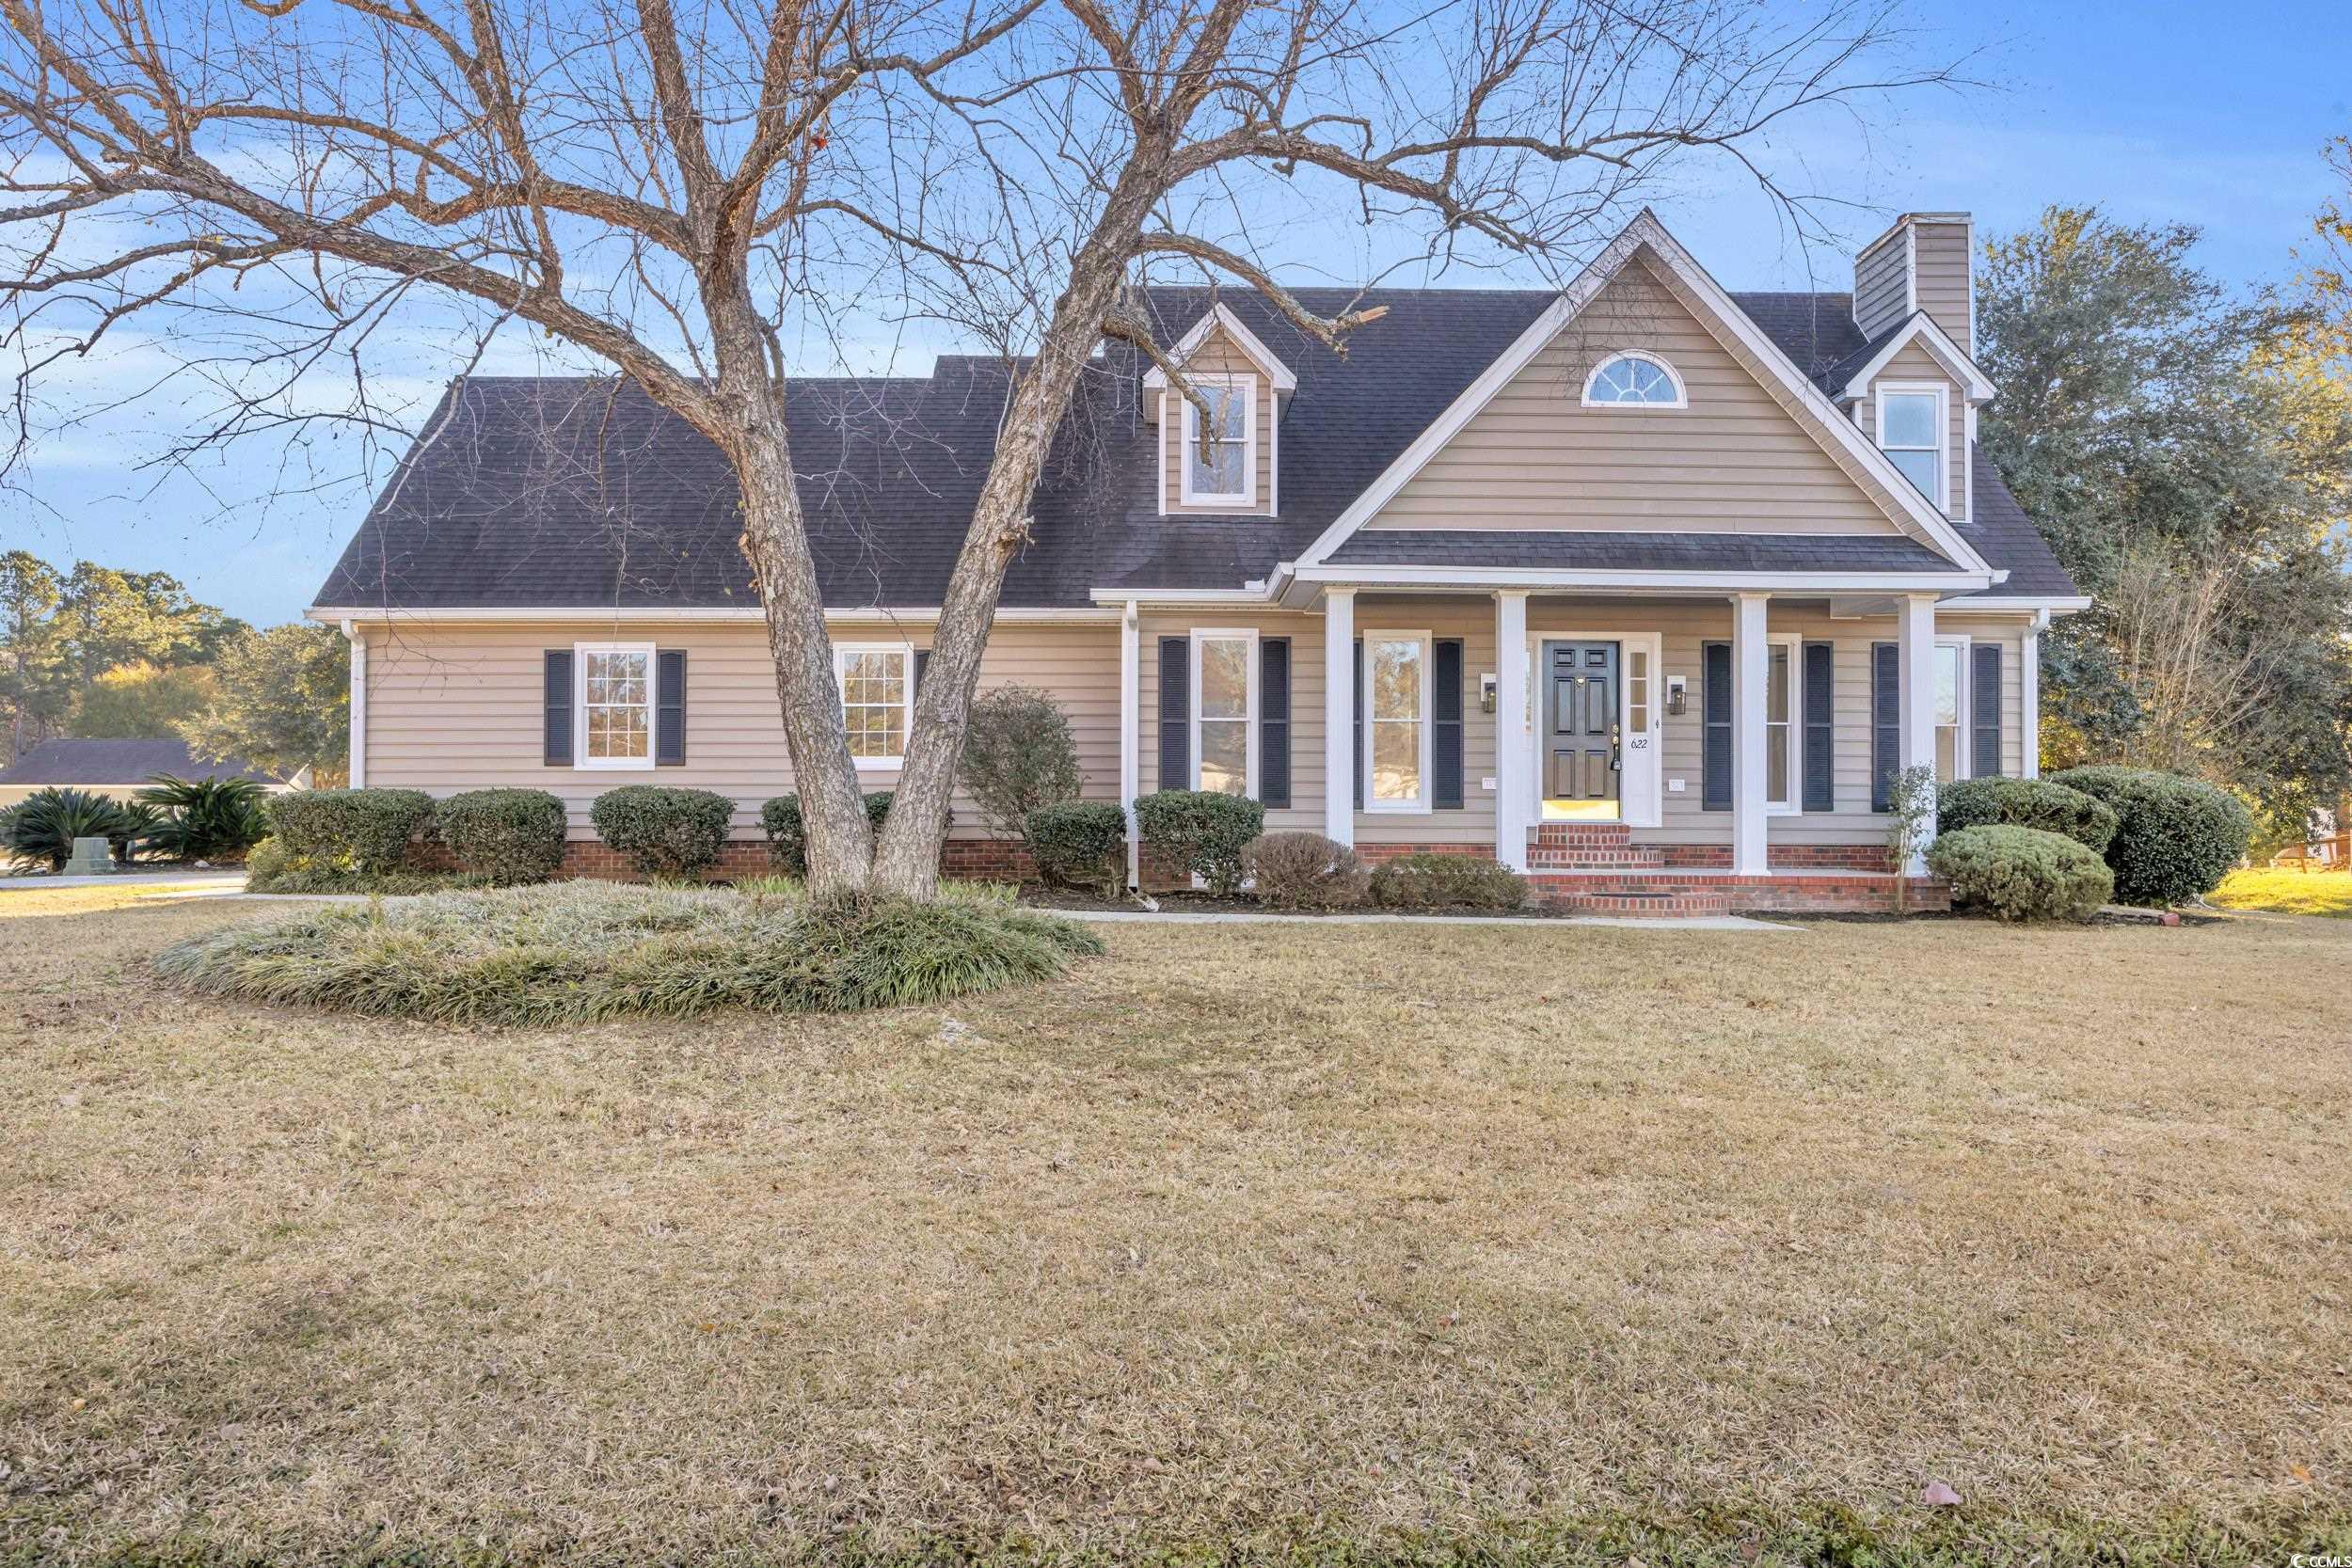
(1130,706)
(358,754)
(2029,699)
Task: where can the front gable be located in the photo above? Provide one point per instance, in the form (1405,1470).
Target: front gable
(1221,348)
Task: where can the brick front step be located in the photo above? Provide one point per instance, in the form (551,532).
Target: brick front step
(1553,857)
(1655,904)
(1589,833)
(1822,892)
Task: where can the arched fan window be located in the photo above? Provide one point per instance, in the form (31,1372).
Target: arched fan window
(1632,379)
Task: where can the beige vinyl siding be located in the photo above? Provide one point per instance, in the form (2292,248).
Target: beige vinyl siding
(457,707)
(1880,294)
(1735,460)
(1306,635)
(1217,356)
(1941,255)
(1914,363)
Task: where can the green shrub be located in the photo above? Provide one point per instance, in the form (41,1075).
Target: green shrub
(2021,873)
(2175,838)
(1426,882)
(2024,803)
(1079,844)
(788,841)
(1306,871)
(507,836)
(576,952)
(1201,830)
(663,831)
(349,830)
(40,829)
(1018,755)
(205,819)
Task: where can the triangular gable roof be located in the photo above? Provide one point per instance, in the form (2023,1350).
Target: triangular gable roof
(1921,329)
(1717,311)
(1220,318)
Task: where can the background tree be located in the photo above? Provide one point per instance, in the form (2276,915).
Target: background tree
(2192,475)
(682,193)
(142,700)
(282,703)
(35,681)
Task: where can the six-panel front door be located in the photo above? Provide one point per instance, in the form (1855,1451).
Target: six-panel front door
(1581,729)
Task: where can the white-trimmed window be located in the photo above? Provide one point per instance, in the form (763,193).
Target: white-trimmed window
(1952,709)
(877,699)
(1784,721)
(612,695)
(1223,472)
(1225,712)
(1396,720)
(1632,379)
(1913,428)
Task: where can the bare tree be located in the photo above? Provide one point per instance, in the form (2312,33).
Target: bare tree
(683,192)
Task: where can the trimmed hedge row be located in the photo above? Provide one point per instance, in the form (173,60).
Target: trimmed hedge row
(1079,844)
(788,840)
(508,836)
(2175,838)
(1202,832)
(367,830)
(2039,804)
(1426,882)
(2021,873)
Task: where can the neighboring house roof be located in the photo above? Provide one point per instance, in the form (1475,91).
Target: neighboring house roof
(554,493)
(120,765)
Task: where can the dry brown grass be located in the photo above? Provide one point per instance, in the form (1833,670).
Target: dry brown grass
(1241,1233)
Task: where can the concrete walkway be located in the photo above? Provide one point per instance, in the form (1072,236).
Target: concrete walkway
(224,881)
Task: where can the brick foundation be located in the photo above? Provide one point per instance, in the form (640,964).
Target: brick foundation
(1794,857)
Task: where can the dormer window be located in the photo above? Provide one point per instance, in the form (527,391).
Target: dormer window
(1220,459)
(1911,429)
(1634,379)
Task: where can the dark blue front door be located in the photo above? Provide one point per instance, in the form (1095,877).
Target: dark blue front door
(1580,732)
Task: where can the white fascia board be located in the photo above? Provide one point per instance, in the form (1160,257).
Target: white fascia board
(2057,603)
(1151,598)
(1281,376)
(1646,230)
(681,614)
(1439,579)
(1921,328)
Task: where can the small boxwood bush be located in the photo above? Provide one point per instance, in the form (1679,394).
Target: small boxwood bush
(2021,873)
(2175,838)
(1079,844)
(1202,832)
(1426,882)
(788,841)
(2026,804)
(1018,755)
(349,830)
(507,836)
(663,831)
(1306,871)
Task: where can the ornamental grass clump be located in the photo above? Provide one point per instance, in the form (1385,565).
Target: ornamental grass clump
(581,952)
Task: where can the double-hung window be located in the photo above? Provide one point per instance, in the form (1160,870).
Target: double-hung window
(1951,706)
(1782,723)
(1220,459)
(876,697)
(1224,717)
(1396,720)
(1912,431)
(614,696)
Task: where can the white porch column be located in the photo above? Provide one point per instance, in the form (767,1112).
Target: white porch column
(1748,676)
(2029,699)
(359,709)
(1515,760)
(1338,715)
(1130,713)
(1915,639)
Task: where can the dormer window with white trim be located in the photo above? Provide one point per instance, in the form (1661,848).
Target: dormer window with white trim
(1913,428)
(1220,460)
(1633,379)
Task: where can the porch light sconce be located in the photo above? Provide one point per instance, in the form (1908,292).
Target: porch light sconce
(1677,695)
(1485,694)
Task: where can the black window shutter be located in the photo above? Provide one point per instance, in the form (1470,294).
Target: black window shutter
(669,711)
(922,660)
(1984,686)
(1886,720)
(1175,713)
(1821,729)
(1715,716)
(1273,723)
(1445,710)
(558,751)
(1359,723)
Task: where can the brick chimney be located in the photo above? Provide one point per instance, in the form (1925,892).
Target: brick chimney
(1921,263)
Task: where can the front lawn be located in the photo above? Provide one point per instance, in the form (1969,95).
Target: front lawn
(1549,1239)
(2287,892)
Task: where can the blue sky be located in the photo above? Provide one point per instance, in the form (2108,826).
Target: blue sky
(2213,115)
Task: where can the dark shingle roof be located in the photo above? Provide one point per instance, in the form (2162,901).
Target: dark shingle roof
(1602,550)
(564,492)
(119,764)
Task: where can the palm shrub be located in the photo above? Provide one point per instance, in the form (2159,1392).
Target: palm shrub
(1080,844)
(788,840)
(1018,755)
(40,829)
(1427,881)
(2021,873)
(1306,871)
(205,819)
(507,836)
(2175,837)
(1202,832)
(349,830)
(2053,808)
(664,832)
